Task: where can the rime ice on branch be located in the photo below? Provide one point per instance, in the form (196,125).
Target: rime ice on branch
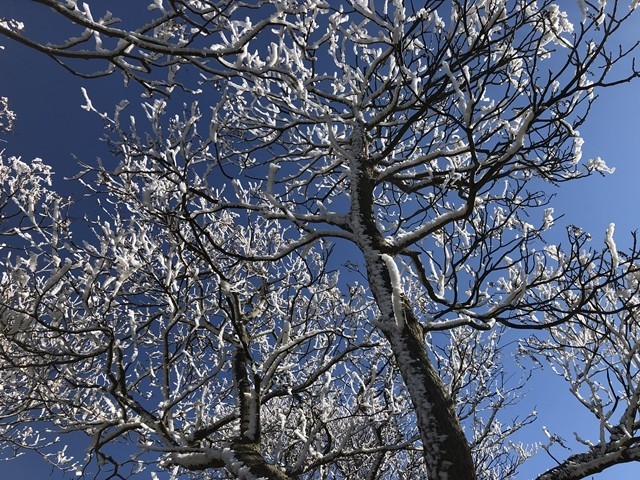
(205,320)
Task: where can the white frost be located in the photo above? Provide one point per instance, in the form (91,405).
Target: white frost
(396,292)
(583,9)
(615,260)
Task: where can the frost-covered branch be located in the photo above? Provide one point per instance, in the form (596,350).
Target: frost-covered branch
(206,315)
(598,355)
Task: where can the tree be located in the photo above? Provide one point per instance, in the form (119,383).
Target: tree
(206,325)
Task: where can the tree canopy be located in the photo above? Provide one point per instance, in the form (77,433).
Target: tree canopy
(323,239)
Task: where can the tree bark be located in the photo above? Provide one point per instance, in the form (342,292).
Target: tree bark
(581,465)
(242,460)
(446,451)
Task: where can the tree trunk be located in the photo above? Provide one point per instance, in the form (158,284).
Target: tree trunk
(446,450)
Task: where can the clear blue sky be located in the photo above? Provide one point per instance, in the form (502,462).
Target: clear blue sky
(51,125)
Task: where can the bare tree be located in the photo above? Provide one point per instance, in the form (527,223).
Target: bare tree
(206,318)
(597,354)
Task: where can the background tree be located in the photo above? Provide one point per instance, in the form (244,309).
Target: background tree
(596,353)
(206,319)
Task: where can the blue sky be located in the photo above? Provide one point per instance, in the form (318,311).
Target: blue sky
(51,125)
(612,133)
